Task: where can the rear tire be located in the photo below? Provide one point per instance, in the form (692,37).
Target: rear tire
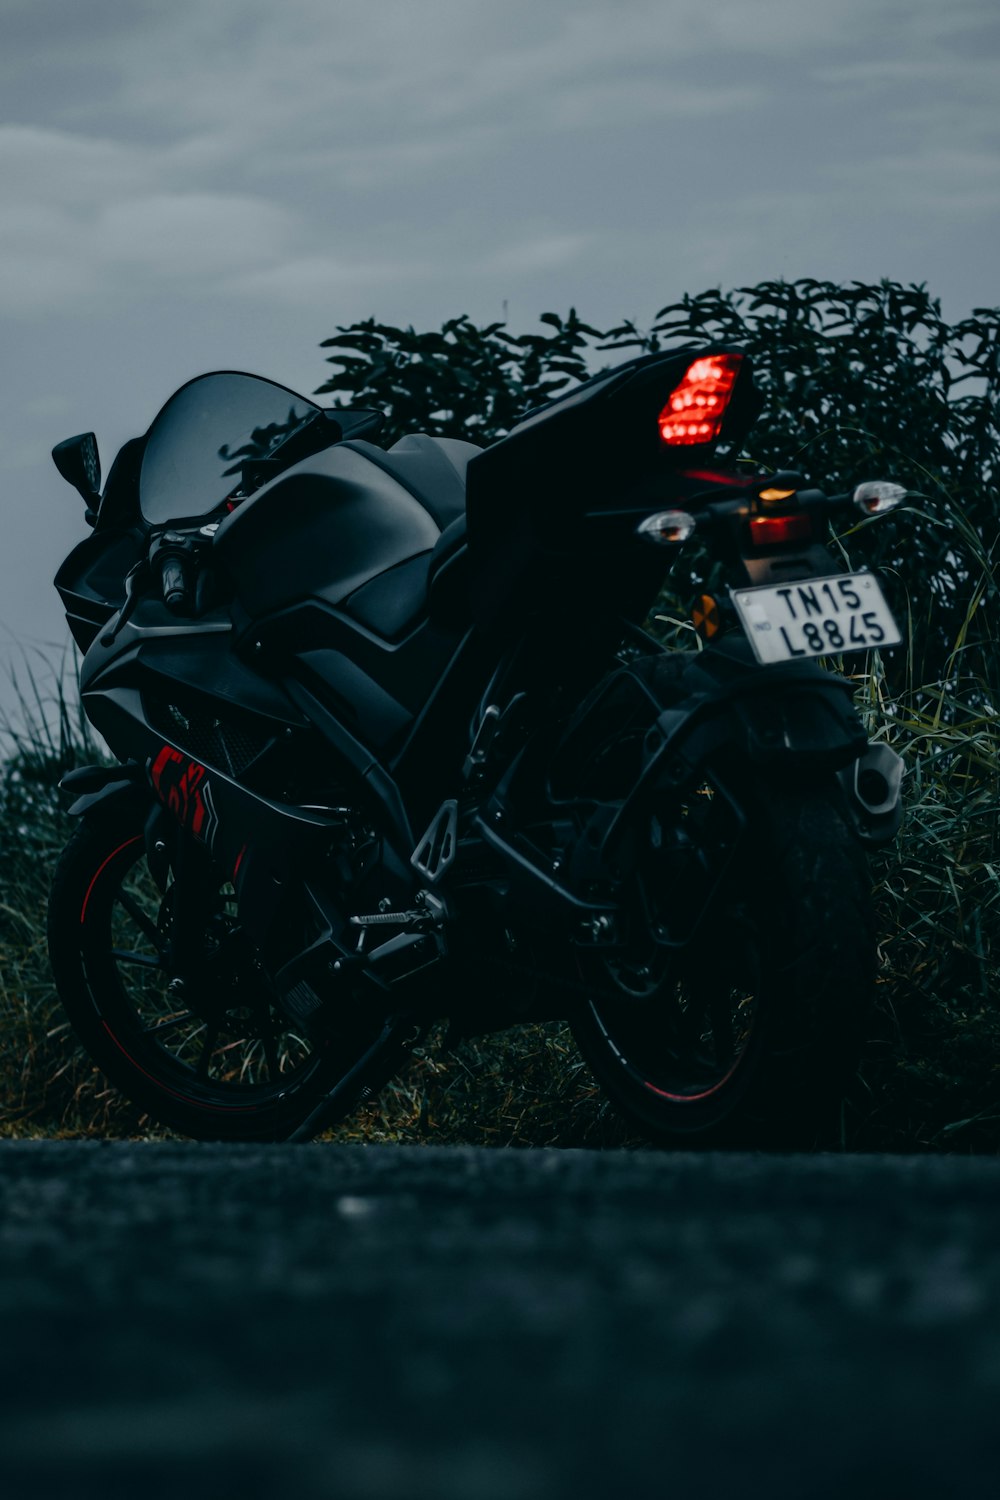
(792,934)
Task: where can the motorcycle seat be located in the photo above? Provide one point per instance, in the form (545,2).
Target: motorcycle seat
(431,468)
(431,583)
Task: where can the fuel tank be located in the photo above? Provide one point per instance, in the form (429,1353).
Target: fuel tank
(336,521)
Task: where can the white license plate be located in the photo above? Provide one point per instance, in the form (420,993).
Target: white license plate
(816,617)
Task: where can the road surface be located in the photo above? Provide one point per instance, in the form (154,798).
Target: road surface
(464,1324)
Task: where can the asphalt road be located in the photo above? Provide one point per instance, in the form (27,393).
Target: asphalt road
(460,1324)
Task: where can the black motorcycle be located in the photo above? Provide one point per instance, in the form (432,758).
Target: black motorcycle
(394,748)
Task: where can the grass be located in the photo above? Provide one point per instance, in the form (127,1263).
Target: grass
(930,1076)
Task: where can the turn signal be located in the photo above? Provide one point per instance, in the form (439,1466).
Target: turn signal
(670,528)
(878,496)
(695,409)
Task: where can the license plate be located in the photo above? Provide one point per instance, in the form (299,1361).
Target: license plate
(816,617)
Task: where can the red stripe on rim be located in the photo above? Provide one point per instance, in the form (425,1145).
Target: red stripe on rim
(692,1098)
(100,871)
(223,1109)
(219,1109)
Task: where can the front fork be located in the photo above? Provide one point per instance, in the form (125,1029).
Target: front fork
(195,890)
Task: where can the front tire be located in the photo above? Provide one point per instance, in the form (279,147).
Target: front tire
(222,1064)
(752,1036)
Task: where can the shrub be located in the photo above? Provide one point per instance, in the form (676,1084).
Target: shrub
(861,381)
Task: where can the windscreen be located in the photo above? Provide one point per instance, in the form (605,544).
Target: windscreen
(196,447)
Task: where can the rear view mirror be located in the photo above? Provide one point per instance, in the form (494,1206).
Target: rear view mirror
(78,462)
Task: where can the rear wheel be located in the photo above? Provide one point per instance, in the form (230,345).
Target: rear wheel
(752,1031)
(210,1054)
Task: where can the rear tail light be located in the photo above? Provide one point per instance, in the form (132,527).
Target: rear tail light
(769,531)
(695,409)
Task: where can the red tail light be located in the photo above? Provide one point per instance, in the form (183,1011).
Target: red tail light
(766,531)
(696,407)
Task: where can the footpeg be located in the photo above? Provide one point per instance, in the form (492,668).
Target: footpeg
(430,911)
(418,942)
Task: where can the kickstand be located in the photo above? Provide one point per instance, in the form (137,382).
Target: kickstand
(397,1037)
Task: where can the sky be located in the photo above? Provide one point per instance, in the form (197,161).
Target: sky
(188,185)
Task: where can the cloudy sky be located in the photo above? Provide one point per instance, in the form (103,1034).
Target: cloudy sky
(188,185)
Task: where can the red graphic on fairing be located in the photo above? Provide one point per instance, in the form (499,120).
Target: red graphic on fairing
(183,788)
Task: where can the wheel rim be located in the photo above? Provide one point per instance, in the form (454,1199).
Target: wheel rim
(683,1031)
(681,1004)
(228,1048)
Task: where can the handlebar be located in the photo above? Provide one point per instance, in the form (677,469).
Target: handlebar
(175,585)
(172,561)
(174,558)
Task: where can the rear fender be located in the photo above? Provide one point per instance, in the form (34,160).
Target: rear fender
(789,712)
(791,719)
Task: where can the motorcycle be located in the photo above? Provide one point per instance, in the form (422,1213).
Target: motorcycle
(393,748)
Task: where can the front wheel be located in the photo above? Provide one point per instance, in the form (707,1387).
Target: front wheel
(210,1054)
(751,1033)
